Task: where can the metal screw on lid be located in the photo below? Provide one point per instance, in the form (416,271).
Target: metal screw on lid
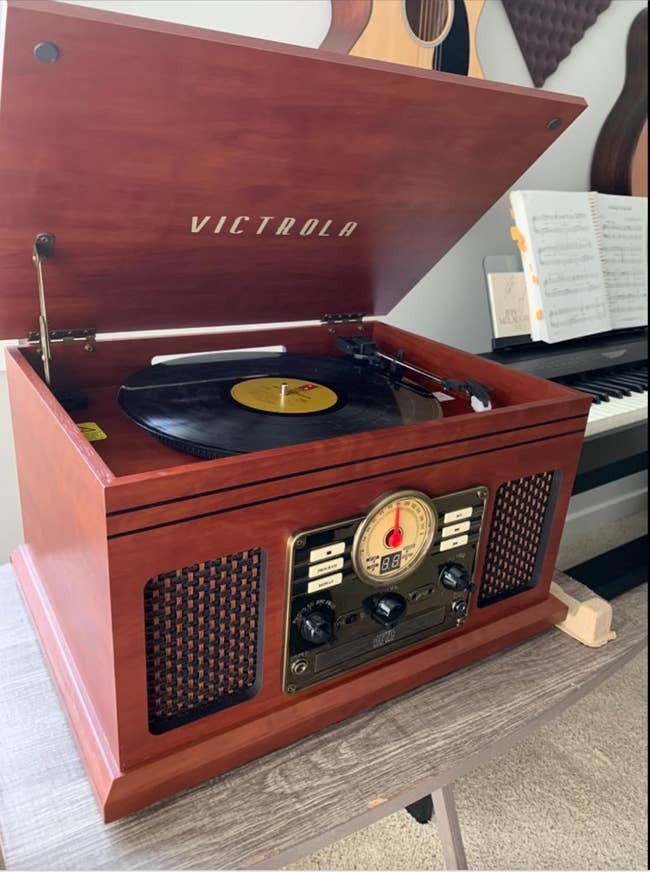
(554,123)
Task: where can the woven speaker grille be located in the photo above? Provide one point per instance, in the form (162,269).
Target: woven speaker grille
(513,549)
(202,636)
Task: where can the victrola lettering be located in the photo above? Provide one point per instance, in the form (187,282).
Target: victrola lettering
(271,226)
(282,525)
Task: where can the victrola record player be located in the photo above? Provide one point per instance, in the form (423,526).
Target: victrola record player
(257,530)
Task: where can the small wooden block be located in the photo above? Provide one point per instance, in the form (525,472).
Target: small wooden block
(589,621)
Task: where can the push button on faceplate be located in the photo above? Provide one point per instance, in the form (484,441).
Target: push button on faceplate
(326,551)
(326,568)
(458,515)
(456,542)
(456,529)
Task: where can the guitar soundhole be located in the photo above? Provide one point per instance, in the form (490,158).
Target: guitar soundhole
(429,20)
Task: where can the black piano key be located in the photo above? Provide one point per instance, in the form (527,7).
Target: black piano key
(597,396)
(640,378)
(605,394)
(607,389)
(610,381)
(633,384)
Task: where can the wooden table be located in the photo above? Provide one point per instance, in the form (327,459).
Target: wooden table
(275,810)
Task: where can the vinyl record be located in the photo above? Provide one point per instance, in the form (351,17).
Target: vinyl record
(223,404)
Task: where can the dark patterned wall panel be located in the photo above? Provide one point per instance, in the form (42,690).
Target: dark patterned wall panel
(547,30)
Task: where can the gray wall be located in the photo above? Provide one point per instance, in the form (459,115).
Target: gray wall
(449,303)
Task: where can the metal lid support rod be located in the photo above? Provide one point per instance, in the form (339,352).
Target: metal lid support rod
(43,248)
(44,337)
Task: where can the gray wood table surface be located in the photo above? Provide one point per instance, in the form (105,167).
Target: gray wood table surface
(277,809)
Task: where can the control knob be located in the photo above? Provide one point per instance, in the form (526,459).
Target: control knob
(316,627)
(388,609)
(454,576)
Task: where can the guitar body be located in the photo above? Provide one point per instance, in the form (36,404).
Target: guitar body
(429,34)
(620,161)
(639,170)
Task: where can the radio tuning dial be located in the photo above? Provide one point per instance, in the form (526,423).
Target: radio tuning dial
(316,627)
(454,576)
(394,538)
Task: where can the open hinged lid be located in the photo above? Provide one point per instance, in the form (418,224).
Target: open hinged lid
(194,178)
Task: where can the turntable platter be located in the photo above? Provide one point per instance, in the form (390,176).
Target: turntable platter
(214,406)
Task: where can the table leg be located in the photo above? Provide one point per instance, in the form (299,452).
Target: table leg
(453,850)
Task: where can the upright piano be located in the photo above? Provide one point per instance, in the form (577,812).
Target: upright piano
(613,370)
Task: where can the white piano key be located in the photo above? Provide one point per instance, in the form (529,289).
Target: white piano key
(617,413)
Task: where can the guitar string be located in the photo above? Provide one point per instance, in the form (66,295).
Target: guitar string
(423,9)
(434,24)
(434,17)
(425,6)
(421,31)
(423,34)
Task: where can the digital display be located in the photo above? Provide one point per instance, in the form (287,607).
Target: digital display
(390,562)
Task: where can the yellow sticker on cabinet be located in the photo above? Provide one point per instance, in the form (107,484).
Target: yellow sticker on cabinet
(93,432)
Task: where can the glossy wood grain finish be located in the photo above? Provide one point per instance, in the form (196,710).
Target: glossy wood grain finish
(135,558)
(206,509)
(119,188)
(187,764)
(178,515)
(64,565)
(102,519)
(408,464)
(522,402)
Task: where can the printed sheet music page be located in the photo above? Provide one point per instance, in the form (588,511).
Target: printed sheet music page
(558,239)
(623,242)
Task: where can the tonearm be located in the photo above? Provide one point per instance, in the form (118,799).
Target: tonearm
(366,351)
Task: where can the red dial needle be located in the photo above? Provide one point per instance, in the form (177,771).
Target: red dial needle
(395,537)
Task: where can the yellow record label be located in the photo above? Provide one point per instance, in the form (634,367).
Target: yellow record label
(284,396)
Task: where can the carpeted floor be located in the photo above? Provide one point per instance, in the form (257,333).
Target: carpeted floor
(573,796)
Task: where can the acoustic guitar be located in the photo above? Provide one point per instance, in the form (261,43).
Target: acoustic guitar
(430,34)
(620,161)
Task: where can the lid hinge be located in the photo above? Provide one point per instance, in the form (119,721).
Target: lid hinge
(44,337)
(343,318)
(81,334)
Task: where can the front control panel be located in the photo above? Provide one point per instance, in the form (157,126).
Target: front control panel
(368,586)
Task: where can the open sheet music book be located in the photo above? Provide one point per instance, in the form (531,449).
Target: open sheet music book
(585,260)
